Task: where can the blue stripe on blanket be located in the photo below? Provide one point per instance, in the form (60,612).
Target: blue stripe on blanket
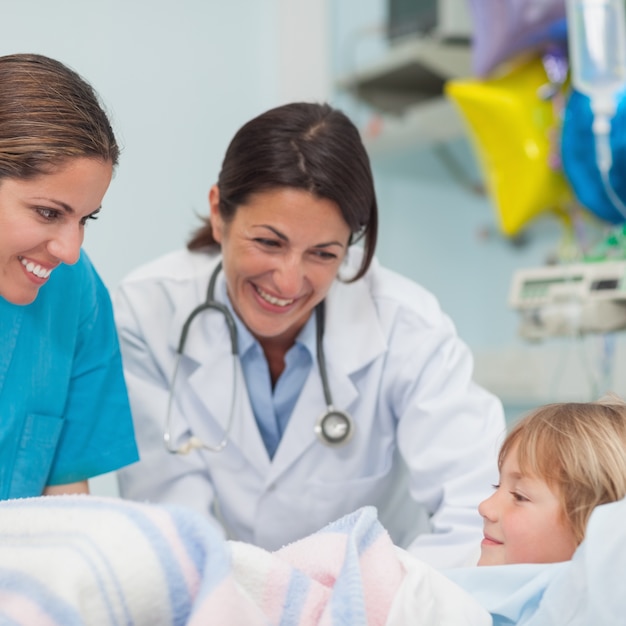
(47,602)
(361,525)
(90,553)
(198,538)
(297,592)
(363,530)
(179,597)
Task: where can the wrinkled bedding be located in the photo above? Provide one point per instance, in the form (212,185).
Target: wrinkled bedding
(70,560)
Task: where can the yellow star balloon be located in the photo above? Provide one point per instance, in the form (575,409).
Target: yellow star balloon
(513,131)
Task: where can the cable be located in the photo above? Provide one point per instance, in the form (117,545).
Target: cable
(604,159)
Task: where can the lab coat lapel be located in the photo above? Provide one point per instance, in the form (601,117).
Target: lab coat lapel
(299,435)
(207,364)
(352,339)
(213,384)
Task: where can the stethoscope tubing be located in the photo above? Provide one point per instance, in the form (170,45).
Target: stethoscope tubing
(333,427)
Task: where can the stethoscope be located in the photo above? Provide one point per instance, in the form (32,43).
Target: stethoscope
(333,427)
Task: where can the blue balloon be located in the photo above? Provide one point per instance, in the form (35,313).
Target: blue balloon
(578,154)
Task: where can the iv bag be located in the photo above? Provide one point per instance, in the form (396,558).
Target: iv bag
(597,50)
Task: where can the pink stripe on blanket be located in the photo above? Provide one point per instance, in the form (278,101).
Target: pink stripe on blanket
(314,611)
(167,527)
(382,574)
(226,604)
(19,609)
(320,556)
(263,577)
(274,590)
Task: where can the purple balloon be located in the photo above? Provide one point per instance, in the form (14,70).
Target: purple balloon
(505,28)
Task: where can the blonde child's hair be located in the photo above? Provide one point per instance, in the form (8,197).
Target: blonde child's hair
(579,449)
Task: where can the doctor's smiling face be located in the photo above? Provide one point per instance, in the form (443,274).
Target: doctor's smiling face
(42,222)
(524,521)
(281,252)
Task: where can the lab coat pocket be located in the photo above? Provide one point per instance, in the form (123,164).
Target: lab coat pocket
(339,495)
(35,453)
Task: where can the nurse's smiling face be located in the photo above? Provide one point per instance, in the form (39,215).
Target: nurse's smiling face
(42,222)
(281,253)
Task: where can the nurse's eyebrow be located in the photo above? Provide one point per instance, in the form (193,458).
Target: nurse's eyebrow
(66,207)
(285,238)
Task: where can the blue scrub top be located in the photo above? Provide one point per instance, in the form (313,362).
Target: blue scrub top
(64,412)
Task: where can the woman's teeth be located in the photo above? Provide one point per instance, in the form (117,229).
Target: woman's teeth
(35,269)
(272,299)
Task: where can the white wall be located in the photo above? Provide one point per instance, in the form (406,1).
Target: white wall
(178,78)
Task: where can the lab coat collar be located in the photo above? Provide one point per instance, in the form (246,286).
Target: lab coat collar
(207,363)
(352,339)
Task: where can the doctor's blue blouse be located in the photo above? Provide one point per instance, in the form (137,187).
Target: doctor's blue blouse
(64,412)
(272,408)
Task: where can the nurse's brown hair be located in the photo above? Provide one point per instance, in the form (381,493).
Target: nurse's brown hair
(48,114)
(301,145)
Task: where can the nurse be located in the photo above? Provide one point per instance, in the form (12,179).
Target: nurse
(308,381)
(64,414)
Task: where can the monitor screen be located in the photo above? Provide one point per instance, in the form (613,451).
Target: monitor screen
(406,17)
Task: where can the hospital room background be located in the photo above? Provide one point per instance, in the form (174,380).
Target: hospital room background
(179,78)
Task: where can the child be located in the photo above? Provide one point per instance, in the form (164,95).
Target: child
(556,465)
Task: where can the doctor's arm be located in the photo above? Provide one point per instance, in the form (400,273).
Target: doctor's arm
(159,476)
(449,431)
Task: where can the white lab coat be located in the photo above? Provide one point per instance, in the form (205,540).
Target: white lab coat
(426,436)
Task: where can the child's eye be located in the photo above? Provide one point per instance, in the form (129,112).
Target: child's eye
(496,487)
(518,497)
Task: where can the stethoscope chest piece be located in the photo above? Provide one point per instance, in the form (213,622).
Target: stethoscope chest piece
(334,428)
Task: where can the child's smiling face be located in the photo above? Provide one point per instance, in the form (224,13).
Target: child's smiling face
(523,521)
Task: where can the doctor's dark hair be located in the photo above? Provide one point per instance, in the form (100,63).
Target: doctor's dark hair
(306,146)
(579,450)
(48,114)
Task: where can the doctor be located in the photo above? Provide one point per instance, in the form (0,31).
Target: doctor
(279,377)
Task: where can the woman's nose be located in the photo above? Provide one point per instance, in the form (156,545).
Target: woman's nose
(289,276)
(66,243)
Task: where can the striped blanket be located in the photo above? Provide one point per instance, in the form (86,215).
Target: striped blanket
(69,560)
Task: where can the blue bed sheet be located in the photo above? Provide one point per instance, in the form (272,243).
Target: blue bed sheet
(589,589)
